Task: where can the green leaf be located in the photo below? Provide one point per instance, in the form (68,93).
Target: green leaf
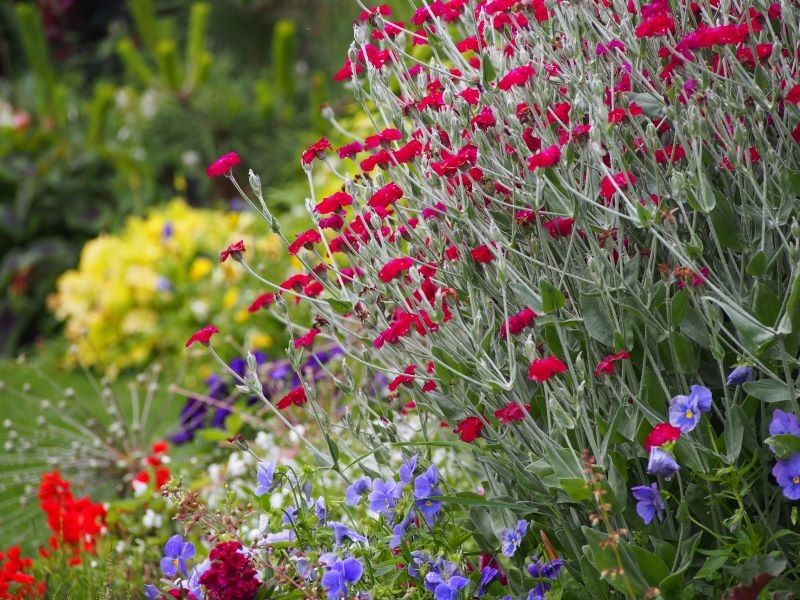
(576,488)
(652,567)
(470,499)
(725,222)
(757,264)
(753,335)
(770,390)
(340,306)
(734,432)
(711,566)
(605,559)
(785,444)
(670,587)
(594,318)
(688,357)
(679,303)
(552,298)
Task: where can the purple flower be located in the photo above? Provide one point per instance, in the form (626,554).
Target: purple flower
(341,573)
(543,570)
(448,590)
(320,510)
(684,413)
(650,503)
(176,553)
(425,490)
(193,582)
(354,492)
(418,560)
(384,496)
(341,531)
(512,538)
(661,463)
(701,395)
(266,475)
(151,592)
(444,580)
(488,573)
(407,470)
(284,535)
(741,374)
(787,473)
(399,530)
(783,423)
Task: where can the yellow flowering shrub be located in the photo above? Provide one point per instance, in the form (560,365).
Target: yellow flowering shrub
(143,291)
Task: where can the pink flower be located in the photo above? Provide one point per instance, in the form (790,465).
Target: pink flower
(394,267)
(305,240)
(606,366)
(657,25)
(234,251)
(203,336)
(542,369)
(546,158)
(315,150)
(223,164)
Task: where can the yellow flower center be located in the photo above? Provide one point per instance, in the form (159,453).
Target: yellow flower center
(429,503)
(689,414)
(796,479)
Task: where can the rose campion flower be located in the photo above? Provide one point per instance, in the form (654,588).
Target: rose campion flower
(660,435)
(315,150)
(234,251)
(541,369)
(203,336)
(223,164)
(469,429)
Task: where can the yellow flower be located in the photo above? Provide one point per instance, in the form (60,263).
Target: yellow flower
(230,297)
(200,268)
(260,340)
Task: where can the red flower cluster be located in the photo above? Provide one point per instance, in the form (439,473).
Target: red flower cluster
(75,523)
(155,463)
(232,575)
(15,582)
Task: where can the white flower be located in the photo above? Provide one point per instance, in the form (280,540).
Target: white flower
(152,519)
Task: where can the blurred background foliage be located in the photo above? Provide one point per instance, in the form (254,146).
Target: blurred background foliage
(109,107)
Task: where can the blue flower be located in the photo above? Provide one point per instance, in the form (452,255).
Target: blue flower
(488,573)
(407,470)
(341,531)
(543,570)
(341,573)
(444,580)
(384,496)
(784,423)
(448,590)
(266,475)
(399,530)
(650,503)
(354,492)
(193,582)
(290,515)
(176,553)
(425,490)
(684,413)
(418,560)
(741,374)
(151,592)
(661,463)
(701,395)
(285,535)
(320,511)
(787,473)
(512,538)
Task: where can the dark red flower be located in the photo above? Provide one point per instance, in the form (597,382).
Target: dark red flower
(542,369)
(305,341)
(516,323)
(546,158)
(333,203)
(384,197)
(203,336)
(315,150)
(670,154)
(516,77)
(234,251)
(661,434)
(469,429)
(394,267)
(793,95)
(383,138)
(482,254)
(656,25)
(223,164)
(559,227)
(334,221)
(511,412)
(350,150)
(232,575)
(262,301)
(307,239)
(297,397)
(606,366)
(296,282)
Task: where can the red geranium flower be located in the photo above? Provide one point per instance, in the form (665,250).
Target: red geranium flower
(262,301)
(307,340)
(542,369)
(661,434)
(606,366)
(223,164)
(297,397)
(305,240)
(469,429)
(315,150)
(516,323)
(203,336)
(234,251)
(511,412)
